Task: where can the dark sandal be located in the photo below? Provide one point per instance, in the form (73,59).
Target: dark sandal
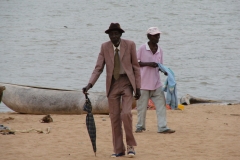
(168,131)
(139,130)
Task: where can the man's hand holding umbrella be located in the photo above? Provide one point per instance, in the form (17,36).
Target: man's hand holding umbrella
(85,89)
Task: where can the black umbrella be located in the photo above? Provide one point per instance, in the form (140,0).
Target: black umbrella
(90,123)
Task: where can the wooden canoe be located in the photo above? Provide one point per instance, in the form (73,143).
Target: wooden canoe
(40,100)
(188,99)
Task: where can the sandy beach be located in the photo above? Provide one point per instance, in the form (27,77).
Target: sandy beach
(202,132)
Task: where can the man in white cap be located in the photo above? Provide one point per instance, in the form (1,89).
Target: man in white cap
(149,55)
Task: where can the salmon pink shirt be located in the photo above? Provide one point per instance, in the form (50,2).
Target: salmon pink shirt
(150,77)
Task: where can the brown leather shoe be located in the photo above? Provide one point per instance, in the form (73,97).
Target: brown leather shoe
(168,131)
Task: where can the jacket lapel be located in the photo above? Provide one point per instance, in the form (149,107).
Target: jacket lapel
(122,48)
(111,51)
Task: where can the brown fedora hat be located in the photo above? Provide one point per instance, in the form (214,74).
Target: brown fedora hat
(114,26)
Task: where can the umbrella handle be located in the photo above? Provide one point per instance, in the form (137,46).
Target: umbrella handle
(86,95)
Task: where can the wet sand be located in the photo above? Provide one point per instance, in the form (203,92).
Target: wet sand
(202,132)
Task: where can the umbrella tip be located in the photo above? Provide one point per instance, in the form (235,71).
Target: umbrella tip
(95,154)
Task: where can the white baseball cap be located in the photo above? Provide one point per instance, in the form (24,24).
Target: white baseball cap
(153,31)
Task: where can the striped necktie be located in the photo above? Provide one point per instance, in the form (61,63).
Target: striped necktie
(116,65)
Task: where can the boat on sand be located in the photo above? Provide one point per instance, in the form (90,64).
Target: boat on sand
(40,100)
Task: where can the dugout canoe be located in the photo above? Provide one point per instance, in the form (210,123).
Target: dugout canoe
(40,100)
(188,99)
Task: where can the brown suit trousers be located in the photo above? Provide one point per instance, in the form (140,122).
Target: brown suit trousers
(120,106)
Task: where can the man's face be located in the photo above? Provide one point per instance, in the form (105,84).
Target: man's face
(115,37)
(154,38)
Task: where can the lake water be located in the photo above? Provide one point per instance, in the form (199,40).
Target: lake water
(55,43)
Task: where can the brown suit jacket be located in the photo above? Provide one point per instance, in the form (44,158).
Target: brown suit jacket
(128,59)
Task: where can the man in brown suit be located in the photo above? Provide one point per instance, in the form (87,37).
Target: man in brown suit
(123,77)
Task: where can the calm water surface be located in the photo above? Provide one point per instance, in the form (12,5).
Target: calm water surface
(55,43)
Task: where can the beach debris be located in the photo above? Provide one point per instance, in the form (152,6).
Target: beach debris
(8,119)
(180,107)
(168,107)
(5,130)
(151,105)
(2,127)
(188,99)
(46,119)
(47,130)
(235,114)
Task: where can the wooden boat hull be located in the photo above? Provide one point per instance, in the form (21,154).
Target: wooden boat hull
(188,99)
(38,100)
